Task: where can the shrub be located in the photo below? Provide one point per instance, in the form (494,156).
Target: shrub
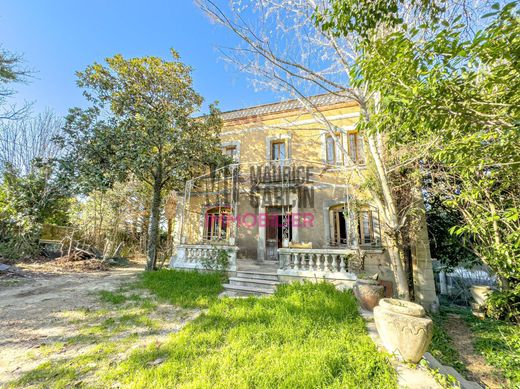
(218,262)
(504,304)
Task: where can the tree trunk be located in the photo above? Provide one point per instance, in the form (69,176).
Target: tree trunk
(401,279)
(391,219)
(155,216)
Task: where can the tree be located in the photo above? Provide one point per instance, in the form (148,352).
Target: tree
(140,122)
(30,194)
(28,140)
(10,72)
(457,88)
(27,201)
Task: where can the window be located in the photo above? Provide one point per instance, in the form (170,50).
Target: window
(353,147)
(230,151)
(369,232)
(278,151)
(330,150)
(339,225)
(217,223)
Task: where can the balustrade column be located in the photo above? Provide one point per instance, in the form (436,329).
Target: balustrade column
(318,262)
(311,262)
(342,264)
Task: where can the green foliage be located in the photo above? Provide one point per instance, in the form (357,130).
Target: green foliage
(453,96)
(349,17)
(504,305)
(149,133)
(451,250)
(306,335)
(11,71)
(218,262)
(115,220)
(26,202)
(186,289)
(150,130)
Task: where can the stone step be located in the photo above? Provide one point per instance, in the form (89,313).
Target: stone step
(258,275)
(250,290)
(252,282)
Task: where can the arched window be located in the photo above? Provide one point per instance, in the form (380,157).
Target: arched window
(330,150)
(217,224)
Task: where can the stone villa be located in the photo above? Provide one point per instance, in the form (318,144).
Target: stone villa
(289,207)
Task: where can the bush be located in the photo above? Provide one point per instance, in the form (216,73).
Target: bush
(218,262)
(504,305)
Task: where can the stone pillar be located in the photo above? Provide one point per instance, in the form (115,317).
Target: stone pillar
(424,283)
(260,252)
(443,283)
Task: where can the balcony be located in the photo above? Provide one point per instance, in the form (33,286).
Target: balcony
(328,263)
(198,256)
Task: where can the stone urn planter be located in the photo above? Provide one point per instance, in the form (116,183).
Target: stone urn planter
(480,294)
(404,328)
(368,293)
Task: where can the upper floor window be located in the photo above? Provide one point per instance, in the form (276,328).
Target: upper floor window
(330,150)
(278,150)
(355,148)
(230,151)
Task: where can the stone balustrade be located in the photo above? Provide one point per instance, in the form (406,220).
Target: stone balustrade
(200,256)
(330,263)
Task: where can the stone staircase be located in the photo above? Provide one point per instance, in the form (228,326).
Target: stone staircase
(253,279)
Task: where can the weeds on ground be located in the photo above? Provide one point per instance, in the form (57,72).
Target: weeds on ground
(442,344)
(499,343)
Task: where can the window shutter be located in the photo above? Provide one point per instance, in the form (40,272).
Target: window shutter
(376,227)
(360,150)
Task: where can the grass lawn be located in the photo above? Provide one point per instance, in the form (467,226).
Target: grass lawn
(304,336)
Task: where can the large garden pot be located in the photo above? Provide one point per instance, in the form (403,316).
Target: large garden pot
(480,294)
(368,293)
(404,328)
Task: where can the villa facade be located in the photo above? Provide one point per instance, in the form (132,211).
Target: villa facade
(290,203)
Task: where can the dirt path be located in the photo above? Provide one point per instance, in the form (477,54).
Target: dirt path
(478,369)
(32,307)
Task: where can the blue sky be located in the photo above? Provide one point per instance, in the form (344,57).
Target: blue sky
(59,37)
